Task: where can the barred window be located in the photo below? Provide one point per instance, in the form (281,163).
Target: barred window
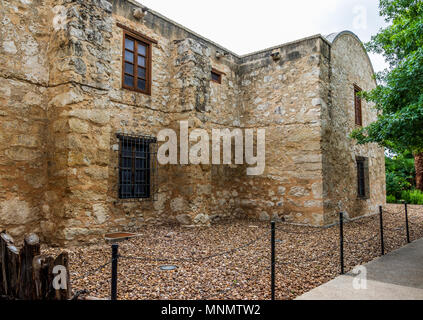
(137,167)
(362,177)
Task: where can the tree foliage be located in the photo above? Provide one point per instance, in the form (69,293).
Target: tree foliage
(399,95)
(400,174)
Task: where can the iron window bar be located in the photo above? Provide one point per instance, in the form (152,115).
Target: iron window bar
(138,169)
(361,179)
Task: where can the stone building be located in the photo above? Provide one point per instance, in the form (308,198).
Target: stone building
(74,121)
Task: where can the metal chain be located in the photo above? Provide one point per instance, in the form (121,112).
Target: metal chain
(361,242)
(394,229)
(232,287)
(89,273)
(394,213)
(308,261)
(194,259)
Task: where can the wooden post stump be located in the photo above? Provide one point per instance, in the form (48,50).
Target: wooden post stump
(30,250)
(5,241)
(27,275)
(12,270)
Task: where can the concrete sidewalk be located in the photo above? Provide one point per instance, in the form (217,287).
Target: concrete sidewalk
(396,276)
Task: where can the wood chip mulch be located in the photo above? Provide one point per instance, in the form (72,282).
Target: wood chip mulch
(231,259)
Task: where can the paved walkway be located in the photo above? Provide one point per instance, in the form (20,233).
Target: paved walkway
(396,276)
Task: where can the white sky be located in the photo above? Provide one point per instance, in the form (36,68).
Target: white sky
(245,26)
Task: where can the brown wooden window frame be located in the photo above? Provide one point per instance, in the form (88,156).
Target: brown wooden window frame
(137,39)
(358,111)
(218,73)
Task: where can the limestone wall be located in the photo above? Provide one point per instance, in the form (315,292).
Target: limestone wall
(349,65)
(282,96)
(24,41)
(59,118)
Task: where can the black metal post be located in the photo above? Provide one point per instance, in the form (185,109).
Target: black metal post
(381,230)
(273,252)
(114,271)
(406,222)
(341,241)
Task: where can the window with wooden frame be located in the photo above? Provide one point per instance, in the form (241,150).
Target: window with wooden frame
(216,76)
(136,69)
(137,167)
(357,106)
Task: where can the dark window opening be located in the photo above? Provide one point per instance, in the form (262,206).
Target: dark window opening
(357,107)
(137,167)
(136,73)
(361,178)
(216,76)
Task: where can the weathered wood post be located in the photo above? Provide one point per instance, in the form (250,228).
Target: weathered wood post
(5,241)
(30,249)
(12,270)
(63,294)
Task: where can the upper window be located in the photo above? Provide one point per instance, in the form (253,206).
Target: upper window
(137,167)
(216,76)
(136,73)
(357,107)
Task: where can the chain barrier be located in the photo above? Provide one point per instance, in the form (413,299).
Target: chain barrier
(233,287)
(331,251)
(394,213)
(194,259)
(394,229)
(89,273)
(361,242)
(86,275)
(308,261)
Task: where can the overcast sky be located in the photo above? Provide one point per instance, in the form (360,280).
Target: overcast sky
(245,26)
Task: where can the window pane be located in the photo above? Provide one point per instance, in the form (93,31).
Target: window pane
(129,44)
(129,56)
(141,61)
(129,81)
(129,68)
(126,163)
(126,176)
(215,76)
(141,73)
(141,84)
(142,49)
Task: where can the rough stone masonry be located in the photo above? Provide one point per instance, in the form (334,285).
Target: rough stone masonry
(62,104)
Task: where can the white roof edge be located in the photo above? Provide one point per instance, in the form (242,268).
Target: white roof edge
(218,45)
(336,35)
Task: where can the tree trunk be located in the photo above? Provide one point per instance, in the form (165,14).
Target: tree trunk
(418,162)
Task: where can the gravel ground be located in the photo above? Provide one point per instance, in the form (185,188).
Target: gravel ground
(306,258)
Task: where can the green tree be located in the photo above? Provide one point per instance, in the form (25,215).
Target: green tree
(399,95)
(400,174)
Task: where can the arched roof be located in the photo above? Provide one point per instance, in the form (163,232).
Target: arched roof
(333,37)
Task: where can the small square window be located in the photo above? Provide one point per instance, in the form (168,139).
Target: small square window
(216,76)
